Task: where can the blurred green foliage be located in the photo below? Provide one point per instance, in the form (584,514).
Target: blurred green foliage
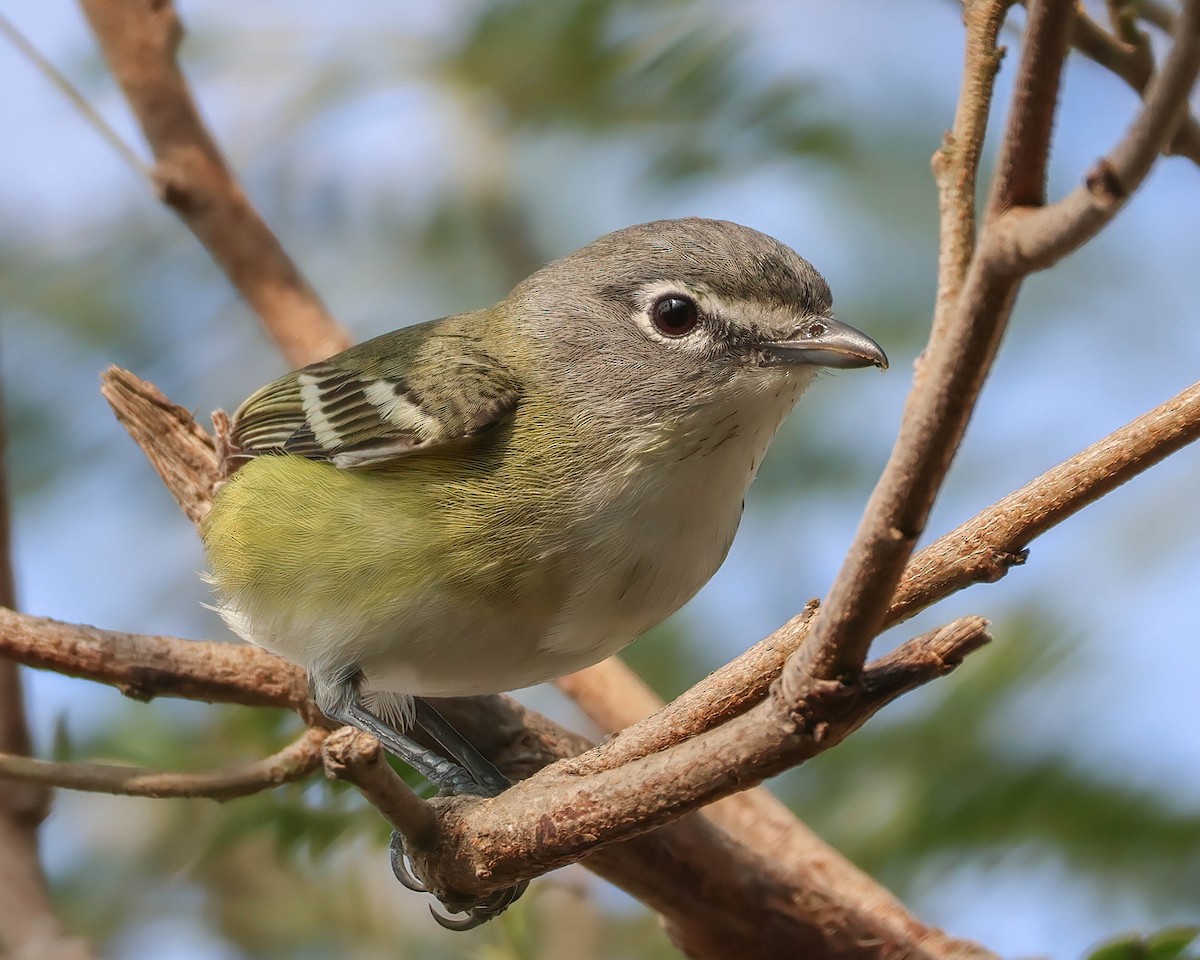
(657,71)
(1172,943)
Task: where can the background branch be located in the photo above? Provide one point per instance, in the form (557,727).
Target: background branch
(140,39)
(1033,239)
(29,925)
(1020,178)
(1134,63)
(293,762)
(78,100)
(956,163)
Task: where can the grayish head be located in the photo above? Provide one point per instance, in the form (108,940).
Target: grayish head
(671,317)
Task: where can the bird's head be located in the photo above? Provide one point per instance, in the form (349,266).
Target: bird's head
(679,320)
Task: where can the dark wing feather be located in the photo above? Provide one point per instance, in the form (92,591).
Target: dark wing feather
(396,395)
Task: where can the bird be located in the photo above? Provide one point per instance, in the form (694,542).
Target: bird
(498,498)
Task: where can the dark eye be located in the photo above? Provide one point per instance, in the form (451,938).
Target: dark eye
(675,316)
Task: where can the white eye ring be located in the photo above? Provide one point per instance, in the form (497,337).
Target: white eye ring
(656,296)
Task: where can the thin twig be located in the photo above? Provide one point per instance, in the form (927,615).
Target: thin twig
(293,762)
(987,546)
(78,100)
(139,39)
(358,758)
(1033,239)
(1020,178)
(1128,55)
(1159,14)
(956,163)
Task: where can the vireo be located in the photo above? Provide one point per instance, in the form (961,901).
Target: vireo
(494,499)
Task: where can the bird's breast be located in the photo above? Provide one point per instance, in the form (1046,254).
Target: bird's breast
(661,528)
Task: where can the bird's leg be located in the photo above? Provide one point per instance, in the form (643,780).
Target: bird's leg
(427,717)
(339,697)
(489,778)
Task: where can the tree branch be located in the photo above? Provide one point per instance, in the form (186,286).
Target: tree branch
(956,163)
(358,758)
(790,864)
(143,667)
(293,762)
(829,713)
(1134,63)
(550,820)
(661,868)
(29,925)
(957,359)
(1033,239)
(139,39)
(1020,178)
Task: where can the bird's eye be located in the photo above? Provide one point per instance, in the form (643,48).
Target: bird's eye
(675,316)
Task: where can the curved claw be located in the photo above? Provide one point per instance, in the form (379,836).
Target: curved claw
(399,860)
(481,913)
(469,920)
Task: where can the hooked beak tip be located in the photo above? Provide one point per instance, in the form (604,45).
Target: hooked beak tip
(825,342)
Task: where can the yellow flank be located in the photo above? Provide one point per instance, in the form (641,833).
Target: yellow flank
(303,534)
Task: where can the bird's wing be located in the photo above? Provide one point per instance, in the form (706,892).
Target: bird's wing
(397,395)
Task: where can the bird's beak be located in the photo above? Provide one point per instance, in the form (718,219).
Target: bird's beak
(825,342)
